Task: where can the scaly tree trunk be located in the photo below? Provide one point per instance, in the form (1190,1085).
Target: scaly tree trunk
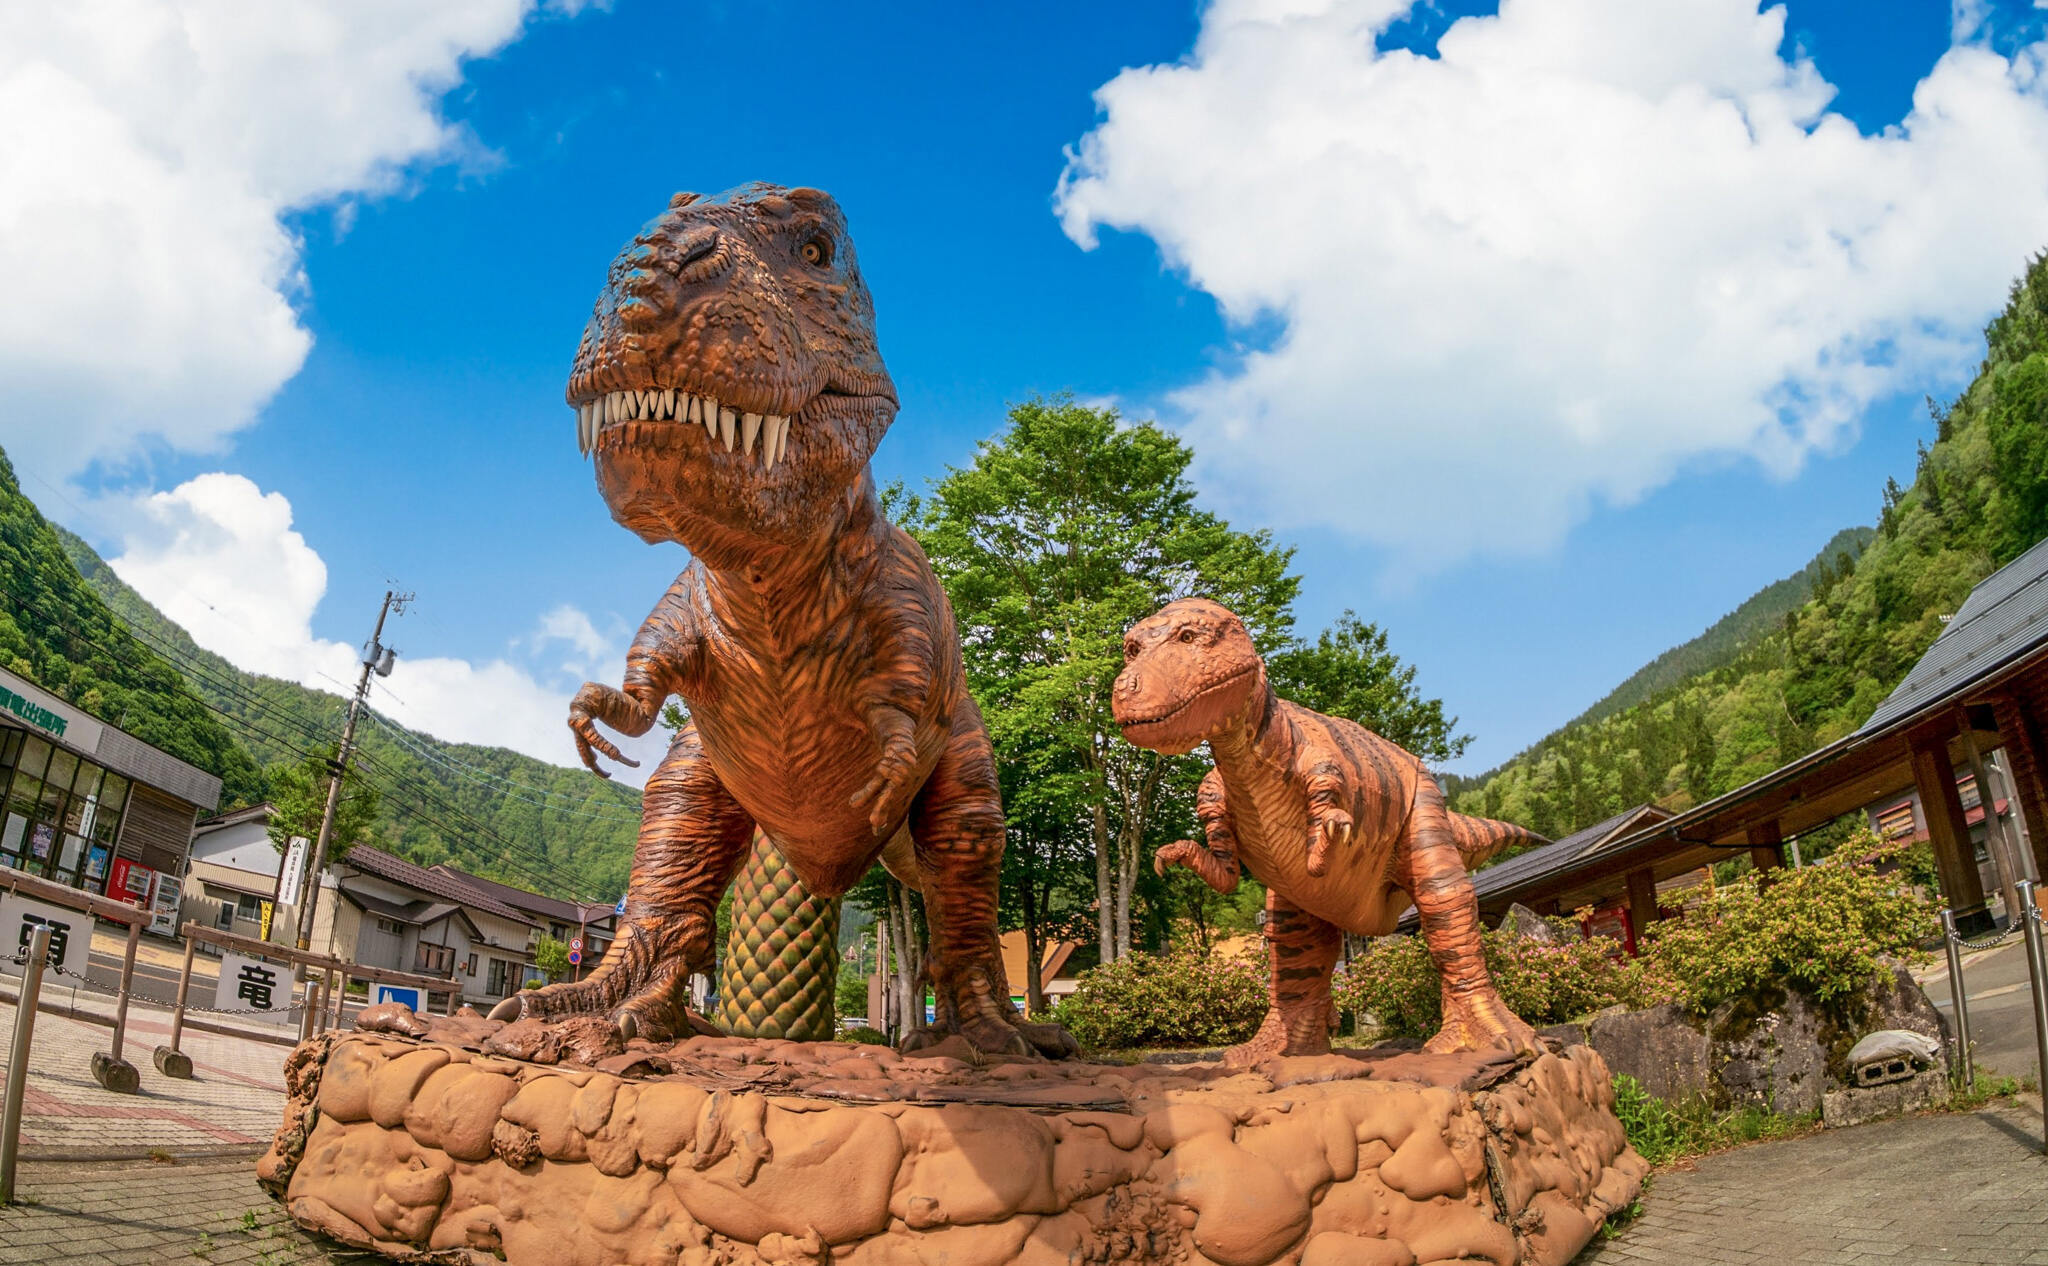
(781,960)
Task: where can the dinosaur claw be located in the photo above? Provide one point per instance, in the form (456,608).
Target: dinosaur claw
(510,1009)
(628,1025)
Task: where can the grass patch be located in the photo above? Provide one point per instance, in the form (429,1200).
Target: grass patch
(1665,1133)
(1990,1087)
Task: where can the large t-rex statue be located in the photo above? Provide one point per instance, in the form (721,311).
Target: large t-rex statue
(1344,828)
(731,389)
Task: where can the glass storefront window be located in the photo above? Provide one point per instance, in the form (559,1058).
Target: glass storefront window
(28,789)
(60,813)
(34,755)
(63,768)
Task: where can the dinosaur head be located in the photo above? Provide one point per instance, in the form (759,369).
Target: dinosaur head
(728,381)
(1190,669)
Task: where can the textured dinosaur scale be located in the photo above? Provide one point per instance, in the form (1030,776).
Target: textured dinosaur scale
(781,959)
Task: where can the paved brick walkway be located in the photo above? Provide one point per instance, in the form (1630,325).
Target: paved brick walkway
(1964,1188)
(235,1098)
(197,1212)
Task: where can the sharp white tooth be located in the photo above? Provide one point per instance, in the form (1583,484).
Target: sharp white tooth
(782,439)
(776,426)
(581,447)
(728,425)
(648,399)
(707,413)
(668,403)
(750,429)
(586,429)
(614,408)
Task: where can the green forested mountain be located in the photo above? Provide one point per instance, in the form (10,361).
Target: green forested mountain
(55,631)
(1816,671)
(1730,635)
(485,809)
(69,624)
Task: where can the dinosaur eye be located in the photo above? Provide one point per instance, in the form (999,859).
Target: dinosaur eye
(1187,635)
(816,251)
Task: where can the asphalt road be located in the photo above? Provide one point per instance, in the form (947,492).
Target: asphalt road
(2001,1007)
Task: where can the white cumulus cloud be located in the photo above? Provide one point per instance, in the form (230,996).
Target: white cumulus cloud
(150,151)
(1590,244)
(219,555)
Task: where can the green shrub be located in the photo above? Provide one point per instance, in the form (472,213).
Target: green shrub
(1183,997)
(1397,985)
(1823,929)
(861,1034)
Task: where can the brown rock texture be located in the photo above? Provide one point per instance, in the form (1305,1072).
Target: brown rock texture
(738,1152)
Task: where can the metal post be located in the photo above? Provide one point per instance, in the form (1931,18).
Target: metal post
(2037,980)
(1958,999)
(310,1015)
(170,1061)
(17,1058)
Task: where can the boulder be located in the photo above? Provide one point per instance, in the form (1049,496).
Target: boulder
(1521,921)
(1783,1052)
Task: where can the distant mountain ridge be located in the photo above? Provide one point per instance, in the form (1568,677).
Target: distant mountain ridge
(489,810)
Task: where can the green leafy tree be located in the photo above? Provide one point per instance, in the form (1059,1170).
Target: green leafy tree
(1065,530)
(551,956)
(298,799)
(1349,672)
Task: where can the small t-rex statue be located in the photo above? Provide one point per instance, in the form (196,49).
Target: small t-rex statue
(730,386)
(1344,828)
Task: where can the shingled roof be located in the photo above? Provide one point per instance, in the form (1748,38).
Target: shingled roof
(2004,617)
(435,881)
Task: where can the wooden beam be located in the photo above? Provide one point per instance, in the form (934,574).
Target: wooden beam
(1642,899)
(1955,861)
(2020,737)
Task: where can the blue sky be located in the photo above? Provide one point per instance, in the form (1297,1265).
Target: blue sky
(423,439)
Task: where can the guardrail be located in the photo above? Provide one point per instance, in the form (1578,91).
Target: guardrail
(330,989)
(109,1068)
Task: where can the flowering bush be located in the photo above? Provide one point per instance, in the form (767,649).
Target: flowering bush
(1183,997)
(1821,929)
(1396,983)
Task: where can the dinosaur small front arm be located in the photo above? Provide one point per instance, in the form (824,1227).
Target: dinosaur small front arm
(654,667)
(1215,862)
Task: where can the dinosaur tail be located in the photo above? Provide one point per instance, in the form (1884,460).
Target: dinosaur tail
(1482,839)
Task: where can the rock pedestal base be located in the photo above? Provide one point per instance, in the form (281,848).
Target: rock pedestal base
(729,1152)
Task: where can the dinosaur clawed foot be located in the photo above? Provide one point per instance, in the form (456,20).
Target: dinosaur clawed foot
(642,985)
(1482,1022)
(1292,1030)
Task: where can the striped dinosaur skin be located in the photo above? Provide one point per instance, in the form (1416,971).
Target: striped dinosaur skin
(1345,829)
(731,389)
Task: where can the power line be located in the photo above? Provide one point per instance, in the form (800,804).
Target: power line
(484,777)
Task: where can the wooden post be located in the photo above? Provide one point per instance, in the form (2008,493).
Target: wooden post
(1955,862)
(2017,731)
(1766,845)
(170,1061)
(2003,849)
(1642,901)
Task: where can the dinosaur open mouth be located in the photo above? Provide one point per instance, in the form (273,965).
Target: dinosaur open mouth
(610,418)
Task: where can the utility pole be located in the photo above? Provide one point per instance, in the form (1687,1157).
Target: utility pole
(377,658)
